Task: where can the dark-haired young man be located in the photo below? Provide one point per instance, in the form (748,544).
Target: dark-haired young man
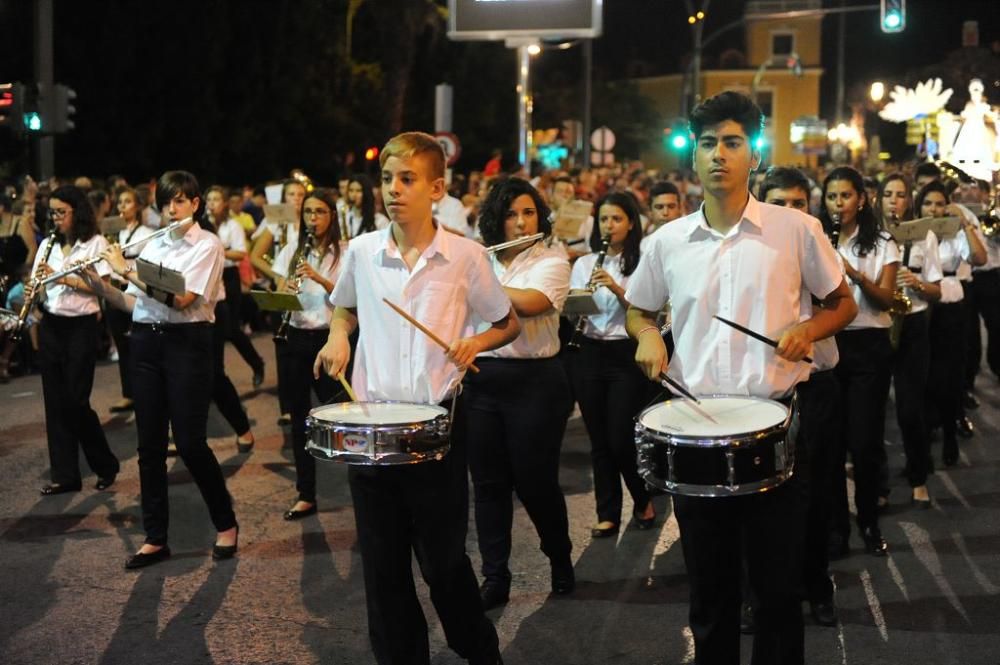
(756,264)
(664,206)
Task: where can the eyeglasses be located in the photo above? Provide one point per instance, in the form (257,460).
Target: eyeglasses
(57,213)
(315,212)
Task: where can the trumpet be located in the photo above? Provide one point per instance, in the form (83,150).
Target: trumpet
(33,290)
(574,341)
(293,284)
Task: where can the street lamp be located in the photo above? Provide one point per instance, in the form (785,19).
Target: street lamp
(877,91)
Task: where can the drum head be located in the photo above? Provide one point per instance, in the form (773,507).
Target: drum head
(735,415)
(377,413)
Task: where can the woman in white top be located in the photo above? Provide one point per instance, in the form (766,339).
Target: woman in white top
(608,385)
(947,325)
(315,268)
(871,259)
(920,275)
(519,402)
(130,207)
(67,346)
(361,216)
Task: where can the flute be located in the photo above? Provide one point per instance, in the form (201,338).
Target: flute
(514,243)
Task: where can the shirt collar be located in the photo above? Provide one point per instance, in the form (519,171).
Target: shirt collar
(751,214)
(440,244)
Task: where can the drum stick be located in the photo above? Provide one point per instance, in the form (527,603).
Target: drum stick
(422,328)
(757,336)
(347,387)
(670,383)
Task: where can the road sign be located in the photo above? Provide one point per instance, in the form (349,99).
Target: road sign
(603,139)
(451,145)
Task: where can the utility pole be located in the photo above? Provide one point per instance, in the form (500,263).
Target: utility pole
(44,146)
(588,94)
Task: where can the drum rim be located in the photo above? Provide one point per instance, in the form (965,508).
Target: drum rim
(734,440)
(442,413)
(718,491)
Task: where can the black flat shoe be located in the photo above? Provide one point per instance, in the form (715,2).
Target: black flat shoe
(747,624)
(104,483)
(604,532)
(920,504)
(493,594)
(244,447)
(123,406)
(140,560)
(223,552)
(292,514)
(56,488)
(874,542)
(563,578)
(284,419)
(965,427)
(258,376)
(643,524)
(824,613)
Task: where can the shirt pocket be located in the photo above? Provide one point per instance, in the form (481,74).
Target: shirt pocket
(441,307)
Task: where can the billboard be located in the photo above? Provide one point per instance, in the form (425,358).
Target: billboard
(542,19)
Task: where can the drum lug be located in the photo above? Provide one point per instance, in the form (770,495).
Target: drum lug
(671,476)
(780,463)
(731,465)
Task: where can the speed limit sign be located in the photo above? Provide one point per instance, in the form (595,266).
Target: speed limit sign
(451,146)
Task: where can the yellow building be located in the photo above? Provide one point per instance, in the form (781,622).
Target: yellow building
(784,95)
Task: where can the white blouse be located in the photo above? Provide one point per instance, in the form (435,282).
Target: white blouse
(316,307)
(609,322)
(62,300)
(886,252)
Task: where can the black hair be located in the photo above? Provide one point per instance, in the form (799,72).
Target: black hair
(927,168)
(329,198)
(932,186)
(869,228)
(493,211)
(892,177)
(84,224)
(783,177)
(728,105)
(662,187)
(173,183)
(367,201)
(628,203)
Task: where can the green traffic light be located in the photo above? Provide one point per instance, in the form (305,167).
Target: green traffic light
(893,20)
(679,141)
(33,121)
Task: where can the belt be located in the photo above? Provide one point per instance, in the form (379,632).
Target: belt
(161,327)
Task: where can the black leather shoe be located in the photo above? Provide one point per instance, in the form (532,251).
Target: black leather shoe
(258,376)
(284,419)
(970,401)
(494,593)
(824,612)
(604,532)
(747,624)
(643,524)
(140,560)
(920,504)
(965,428)
(874,542)
(104,483)
(292,514)
(123,406)
(244,448)
(56,488)
(563,578)
(222,552)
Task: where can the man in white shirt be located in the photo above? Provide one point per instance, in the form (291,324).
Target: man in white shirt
(441,280)
(755,264)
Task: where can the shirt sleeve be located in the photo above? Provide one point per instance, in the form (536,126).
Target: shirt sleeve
(486,296)
(205,270)
(931,271)
(102,266)
(822,270)
(647,286)
(345,293)
(280,265)
(892,254)
(551,278)
(236,237)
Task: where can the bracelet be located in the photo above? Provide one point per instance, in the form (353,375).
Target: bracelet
(169,300)
(657,328)
(149,291)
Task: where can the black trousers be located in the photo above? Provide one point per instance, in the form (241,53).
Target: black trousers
(119,323)
(611,389)
(864,374)
(910,371)
(986,299)
(947,357)
(421,509)
(172,368)
(516,412)
(67,355)
(234,332)
(296,361)
(224,394)
(717,535)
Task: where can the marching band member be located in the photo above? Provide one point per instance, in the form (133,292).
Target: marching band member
(173,366)
(442,280)
(756,264)
(315,269)
(608,386)
(361,216)
(67,340)
(518,404)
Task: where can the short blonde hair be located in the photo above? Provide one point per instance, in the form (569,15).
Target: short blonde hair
(410,144)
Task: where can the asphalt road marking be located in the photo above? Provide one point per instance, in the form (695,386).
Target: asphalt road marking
(874,605)
(922,546)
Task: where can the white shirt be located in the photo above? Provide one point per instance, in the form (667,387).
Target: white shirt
(316,308)
(885,253)
(198,255)
(451,281)
(926,264)
(233,237)
(151,218)
(62,300)
(953,251)
(136,235)
(450,212)
(287,232)
(609,323)
(544,269)
(354,221)
(755,275)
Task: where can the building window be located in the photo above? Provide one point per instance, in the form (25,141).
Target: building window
(765,100)
(782,44)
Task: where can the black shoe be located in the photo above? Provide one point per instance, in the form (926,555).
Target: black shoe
(56,488)
(747,624)
(222,552)
(949,453)
(244,448)
(874,542)
(140,560)
(604,532)
(292,514)
(965,428)
(920,504)
(838,547)
(882,504)
(104,483)
(284,419)
(494,593)
(563,578)
(969,401)
(643,524)
(258,376)
(122,407)
(824,612)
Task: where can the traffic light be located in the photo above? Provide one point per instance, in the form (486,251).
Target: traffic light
(677,137)
(371,154)
(12,106)
(63,110)
(893,15)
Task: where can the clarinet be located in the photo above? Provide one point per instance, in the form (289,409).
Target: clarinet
(33,290)
(835,230)
(293,285)
(574,341)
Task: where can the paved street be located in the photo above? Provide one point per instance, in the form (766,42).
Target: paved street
(294,593)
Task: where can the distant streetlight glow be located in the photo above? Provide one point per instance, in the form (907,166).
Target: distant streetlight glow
(700,15)
(534,49)
(691,20)
(877,91)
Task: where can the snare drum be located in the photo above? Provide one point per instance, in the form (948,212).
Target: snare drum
(378,433)
(750,449)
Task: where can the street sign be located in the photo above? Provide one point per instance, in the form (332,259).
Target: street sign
(603,139)
(451,145)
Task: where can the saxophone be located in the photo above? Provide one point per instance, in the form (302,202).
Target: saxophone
(293,284)
(574,341)
(901,303)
